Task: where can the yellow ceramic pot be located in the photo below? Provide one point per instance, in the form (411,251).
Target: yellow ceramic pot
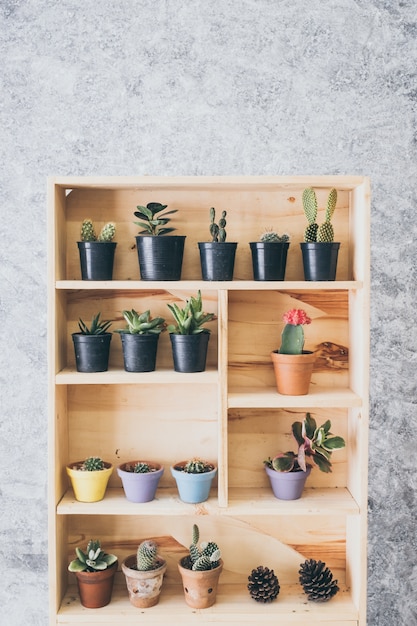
(89,486)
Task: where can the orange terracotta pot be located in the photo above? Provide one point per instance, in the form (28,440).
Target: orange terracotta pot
(95,588)
(293,372)
(200,587)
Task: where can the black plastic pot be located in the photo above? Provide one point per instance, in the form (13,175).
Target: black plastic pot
(139,352)
(92,352)
(217,260)
(269,259)
(190,352)
(320,260)
(96,259)
(160,258)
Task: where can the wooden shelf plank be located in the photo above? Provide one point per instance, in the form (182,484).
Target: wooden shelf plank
(241,502)
(233,606)
(234,285)
(263,397)
(117,376)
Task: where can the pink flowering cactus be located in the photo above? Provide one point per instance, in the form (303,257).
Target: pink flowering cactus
(296,317)
(292,338)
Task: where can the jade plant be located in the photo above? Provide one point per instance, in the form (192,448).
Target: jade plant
(106,234)
(201,557)
(314,443)
(94,559)
(147,557)
(190,319)
(141,323)
(97,327)
(218,231)
(154,222)
(195,466)
(314,232)
(292,337)
(270,236)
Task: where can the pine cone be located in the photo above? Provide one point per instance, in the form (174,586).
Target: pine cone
(263,584)
(317,581)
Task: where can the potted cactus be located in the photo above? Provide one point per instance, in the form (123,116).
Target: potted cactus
(144,573)
(194,479)
(89,478)
(140,340)
(160,257)
(140,479)
(95,571)
(269,256)
(200,570)
(97,251)
(217,256)
(319,250)
(189,340)
(293,366)
(288,471)
(92,345)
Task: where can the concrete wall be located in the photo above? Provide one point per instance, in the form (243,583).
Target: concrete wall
(207,87)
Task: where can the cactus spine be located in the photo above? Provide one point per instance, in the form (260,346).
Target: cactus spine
(87,231)
(314,232)
(207,556)
(108,232)
(92,464)
(325,231)
(146,556)
(217,231)
(270,236)
(141,468)
(197,466)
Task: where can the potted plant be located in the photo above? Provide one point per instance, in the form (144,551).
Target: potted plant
(144,573)
(160,258)
(97,252)
(189,340)
(194,479)
(319,251)
(293,366)
(92,345)
(140,479)
(95,571)
(200,570)
(89,478)
(289,471)
(140,340)
(269,256)
(217,256)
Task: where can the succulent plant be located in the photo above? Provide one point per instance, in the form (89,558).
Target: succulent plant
(218,231)
(292,337)
(197,466)
(147,556)
(140,468)
(270,236)
(204,556)
(97,327)
(153,223)
(314,232)
(92,464)
(190,319)
(142,324)
(315,443)
(92,560)
(107,233)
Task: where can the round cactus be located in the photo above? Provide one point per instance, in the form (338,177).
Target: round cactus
(87,231)
(93,464)
(146,556)
(108,232)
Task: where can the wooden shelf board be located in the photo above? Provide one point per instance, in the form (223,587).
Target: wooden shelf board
(234,285)
(117,376)
(233,606)
(264,397)
(241,502)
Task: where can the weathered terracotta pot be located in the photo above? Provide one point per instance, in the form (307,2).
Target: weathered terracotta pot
(95,588)
(144,588)
(200,587)
(293,372)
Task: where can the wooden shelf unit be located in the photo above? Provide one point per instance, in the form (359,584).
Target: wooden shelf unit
(231,413)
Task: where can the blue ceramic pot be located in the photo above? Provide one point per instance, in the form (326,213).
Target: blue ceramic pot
(193,488)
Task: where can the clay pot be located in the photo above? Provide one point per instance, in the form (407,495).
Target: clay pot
(293,372)
(144,588)
(95,588)
(200,587)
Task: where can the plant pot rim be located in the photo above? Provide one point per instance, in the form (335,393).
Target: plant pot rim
(71,467)
(294,475)
(303,353)
(268,243)
(78,334)
(104,572)
(216,243)
(157,467)
(160,237)
(320,243)
(199,573)
(182,463)
(96,242)
(135,573)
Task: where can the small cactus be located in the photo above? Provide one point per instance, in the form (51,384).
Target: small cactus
(314,232)
(141,468)
(146,556)
(197,466)
(218,231)
(92,464)
(87,231)
(270,236)
(205,557)
(108,232)
(292,337)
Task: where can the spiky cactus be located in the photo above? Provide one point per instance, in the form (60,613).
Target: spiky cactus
(87,231)
(197,466)
(108,232)
(217,231)
(203,557)
(292,337)
(141,468)
(270,236)
(314,232)
(92,464)
(146,556)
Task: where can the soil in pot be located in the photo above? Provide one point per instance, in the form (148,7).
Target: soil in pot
(200,587)
(144,588)
(95,588)
(140,487)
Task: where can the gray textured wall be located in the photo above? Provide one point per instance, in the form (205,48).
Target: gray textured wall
(207,87)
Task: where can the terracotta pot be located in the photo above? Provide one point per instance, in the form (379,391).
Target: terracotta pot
(144,588)
(89,486)
(287,485)
(140,487)
(95,588)
(293,372)
(200,587)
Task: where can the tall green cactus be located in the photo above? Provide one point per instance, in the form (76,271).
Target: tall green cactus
(218,231)
(87,231)
(326,232)
(146,556)
(314,232)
